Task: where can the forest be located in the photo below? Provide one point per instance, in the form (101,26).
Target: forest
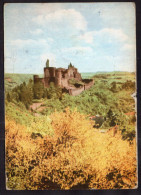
(54,142)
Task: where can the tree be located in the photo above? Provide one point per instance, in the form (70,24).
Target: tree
(38,90)
(8,97)
(47,63)
(26,94)
(113,87)
(112,118)
(54,92)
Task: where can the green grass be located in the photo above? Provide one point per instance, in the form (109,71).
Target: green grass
(21,115)
(18,113)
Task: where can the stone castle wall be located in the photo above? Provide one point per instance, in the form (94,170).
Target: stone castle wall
(37,79)
(64,82)
(77,91)
(61,76)
(89,85)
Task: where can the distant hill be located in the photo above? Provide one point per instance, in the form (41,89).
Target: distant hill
(86,75)
(91,74)
(11,80)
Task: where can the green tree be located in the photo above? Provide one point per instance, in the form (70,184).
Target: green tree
(30,88)
(8,97)
(112,118)
(26,94)
(113,87)
(38,90)
(54,92)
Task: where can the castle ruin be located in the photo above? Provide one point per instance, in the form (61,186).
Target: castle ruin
(61,78)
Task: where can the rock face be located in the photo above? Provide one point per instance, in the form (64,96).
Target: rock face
(61,76)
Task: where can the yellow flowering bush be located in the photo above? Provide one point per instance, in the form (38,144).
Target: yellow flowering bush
(75,156)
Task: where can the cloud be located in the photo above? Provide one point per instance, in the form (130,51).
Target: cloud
(28,42)
(62,18)
(115,33)
(77,50)
(40,19)
(22,43)
(122,62)
(87,37)
(127,47)
(24,52)
(30,46)
(37,31)
(109,34)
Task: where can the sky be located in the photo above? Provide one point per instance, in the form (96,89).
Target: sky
(92,36)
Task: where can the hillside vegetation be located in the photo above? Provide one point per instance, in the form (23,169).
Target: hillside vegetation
(54,145)
(12,80)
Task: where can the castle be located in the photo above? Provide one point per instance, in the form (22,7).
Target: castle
(61,78)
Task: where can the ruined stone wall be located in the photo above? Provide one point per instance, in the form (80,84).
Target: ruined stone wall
(52,71)
(46,81)
(58,78)
(72,73)
(49,72)
(64,82)
(36,80)
(78,76)
(76,91)
(46,72)
(61,76)
(88,85)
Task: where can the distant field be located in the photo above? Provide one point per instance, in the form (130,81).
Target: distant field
(118,77)
(87,75)
(127,75)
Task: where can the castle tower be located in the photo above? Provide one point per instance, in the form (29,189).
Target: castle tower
(35,78)
(58,78)
(52,71)
(46,72)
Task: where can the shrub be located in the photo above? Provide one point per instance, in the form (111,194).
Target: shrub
(38,90)
(41,125)
(75,157)
(128,85)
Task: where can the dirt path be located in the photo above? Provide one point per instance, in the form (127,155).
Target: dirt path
(35,106)
(40,109)
(8,79)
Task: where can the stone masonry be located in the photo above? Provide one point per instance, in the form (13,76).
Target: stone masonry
(61,76)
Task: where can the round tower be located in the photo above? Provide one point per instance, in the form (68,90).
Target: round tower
(46,72)
(52,71)
(35,78)
(58,78)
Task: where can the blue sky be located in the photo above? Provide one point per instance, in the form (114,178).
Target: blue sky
(92,36)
